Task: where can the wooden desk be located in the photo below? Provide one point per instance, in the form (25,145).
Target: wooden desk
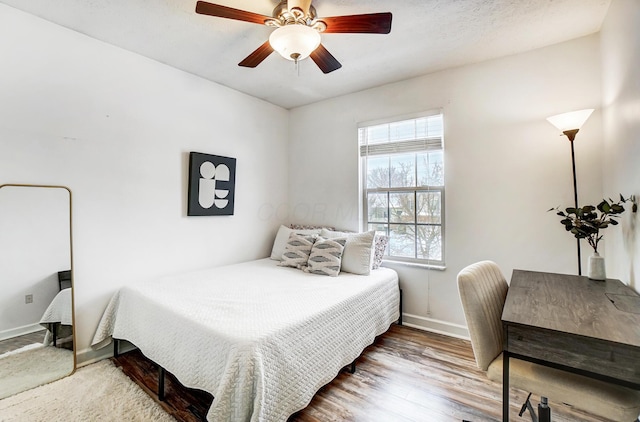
(572,323)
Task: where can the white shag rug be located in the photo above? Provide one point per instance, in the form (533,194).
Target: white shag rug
(98,392)
(32,366)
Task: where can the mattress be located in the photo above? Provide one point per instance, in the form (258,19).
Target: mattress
(262,339)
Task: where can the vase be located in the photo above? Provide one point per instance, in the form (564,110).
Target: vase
(596,267)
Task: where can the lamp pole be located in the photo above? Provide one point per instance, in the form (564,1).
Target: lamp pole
(571,134)
(569,124)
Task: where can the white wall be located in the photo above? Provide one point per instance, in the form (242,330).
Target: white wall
(505,164)
(621,121)
(116,128)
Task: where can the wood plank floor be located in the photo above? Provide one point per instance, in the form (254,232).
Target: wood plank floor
(406,375)
(16,343)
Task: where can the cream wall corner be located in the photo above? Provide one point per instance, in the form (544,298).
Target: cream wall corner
(621,121)
(505,164)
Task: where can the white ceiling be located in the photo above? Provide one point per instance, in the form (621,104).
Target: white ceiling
(426,36)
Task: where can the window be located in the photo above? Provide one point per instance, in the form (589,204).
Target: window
(403,186)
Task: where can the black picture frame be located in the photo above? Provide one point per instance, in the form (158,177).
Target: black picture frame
(212,181)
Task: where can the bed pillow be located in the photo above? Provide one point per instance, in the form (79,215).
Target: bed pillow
(297,250)
(326,256)
(297,227)
(358,251)
(283,237)
(379,247)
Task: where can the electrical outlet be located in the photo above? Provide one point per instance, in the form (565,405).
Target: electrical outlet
(28,299)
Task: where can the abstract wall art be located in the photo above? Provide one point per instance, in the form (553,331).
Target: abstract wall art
(212,180)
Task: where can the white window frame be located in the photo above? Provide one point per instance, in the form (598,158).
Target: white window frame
(431,143)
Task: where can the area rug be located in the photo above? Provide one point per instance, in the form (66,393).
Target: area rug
(98,392)
(31,367)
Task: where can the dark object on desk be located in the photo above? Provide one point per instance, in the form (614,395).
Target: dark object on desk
(64,279)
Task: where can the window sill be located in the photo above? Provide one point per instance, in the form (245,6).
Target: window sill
(415,265)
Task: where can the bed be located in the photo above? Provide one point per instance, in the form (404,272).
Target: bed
(58,313)
(261,338)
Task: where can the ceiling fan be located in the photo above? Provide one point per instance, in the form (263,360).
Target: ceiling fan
(298,28)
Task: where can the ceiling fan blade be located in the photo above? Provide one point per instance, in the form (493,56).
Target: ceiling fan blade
(373,23)
(255,58)
(204,8)
(325,61)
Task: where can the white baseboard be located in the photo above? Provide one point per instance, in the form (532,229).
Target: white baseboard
(20,331)
(435,326)
(88,356)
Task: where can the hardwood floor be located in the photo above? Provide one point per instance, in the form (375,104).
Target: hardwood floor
(15,343)
(406,375)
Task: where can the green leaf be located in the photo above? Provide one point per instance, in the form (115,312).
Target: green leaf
(613,222)
(588,208)
(590,216)
(604,206)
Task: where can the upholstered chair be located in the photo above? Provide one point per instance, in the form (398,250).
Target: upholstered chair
(483,290)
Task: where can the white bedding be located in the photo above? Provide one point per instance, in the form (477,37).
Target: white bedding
(59,310)
(261,338)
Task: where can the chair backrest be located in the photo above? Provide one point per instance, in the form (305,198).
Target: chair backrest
(483,290)
(64,279)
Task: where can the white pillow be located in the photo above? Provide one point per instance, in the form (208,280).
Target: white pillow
(358,251)
(281,240)
(325,257)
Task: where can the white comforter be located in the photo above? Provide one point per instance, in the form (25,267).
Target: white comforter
(261,338)
(59,310)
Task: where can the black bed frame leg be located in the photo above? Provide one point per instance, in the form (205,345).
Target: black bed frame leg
(160,383)
(116,347)
(400,319)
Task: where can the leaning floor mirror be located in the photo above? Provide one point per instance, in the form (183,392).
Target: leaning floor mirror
(36,287)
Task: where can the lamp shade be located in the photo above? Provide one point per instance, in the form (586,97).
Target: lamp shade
(570,121)
(294,42)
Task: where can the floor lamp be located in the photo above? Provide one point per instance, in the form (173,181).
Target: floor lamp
(569,124)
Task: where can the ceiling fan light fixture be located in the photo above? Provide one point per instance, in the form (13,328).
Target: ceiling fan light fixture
(295,42)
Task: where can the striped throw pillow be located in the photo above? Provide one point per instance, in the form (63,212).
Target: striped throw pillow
(297,250)
(326,256)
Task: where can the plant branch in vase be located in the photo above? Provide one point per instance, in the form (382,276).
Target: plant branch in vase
(586,223)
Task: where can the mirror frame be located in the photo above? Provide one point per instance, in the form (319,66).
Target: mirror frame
(73,304)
